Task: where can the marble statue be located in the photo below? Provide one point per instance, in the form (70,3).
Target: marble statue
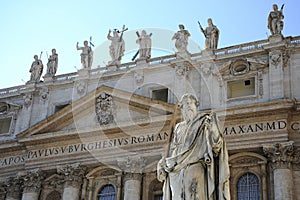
(196,165)
(86,54)
(211,33)
(145,42)
(116,48)
(36,69)
(181,38)
(275,20)
(52,63)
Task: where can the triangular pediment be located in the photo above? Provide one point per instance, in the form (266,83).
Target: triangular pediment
(104,108)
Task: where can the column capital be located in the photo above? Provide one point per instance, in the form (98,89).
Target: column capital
(132,176)
(72,174)
(13,186)
(280,154)
(32,181)
(132,164)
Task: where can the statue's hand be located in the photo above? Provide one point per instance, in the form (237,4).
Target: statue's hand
(170,165)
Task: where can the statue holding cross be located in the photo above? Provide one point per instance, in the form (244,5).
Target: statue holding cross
(117,46)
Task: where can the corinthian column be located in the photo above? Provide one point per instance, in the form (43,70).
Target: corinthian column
(280,156)
(13,189)
(32,182)
(132,186)
(73,175)
(133,168)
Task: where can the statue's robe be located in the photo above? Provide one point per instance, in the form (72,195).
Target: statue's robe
(201,168)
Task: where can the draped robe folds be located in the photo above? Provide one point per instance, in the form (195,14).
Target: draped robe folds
(201,163)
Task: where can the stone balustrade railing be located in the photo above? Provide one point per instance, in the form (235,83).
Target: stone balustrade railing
(241,48)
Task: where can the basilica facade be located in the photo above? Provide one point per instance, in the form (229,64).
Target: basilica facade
(98,133)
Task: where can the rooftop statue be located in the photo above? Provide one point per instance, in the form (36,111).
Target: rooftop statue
(196,164)
(211,33)
(181,38)
(117,46)
(86,54)
(36,69)
(52,63)
(275,20)
(145,42)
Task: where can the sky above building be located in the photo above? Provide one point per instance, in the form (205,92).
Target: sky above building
(34,26)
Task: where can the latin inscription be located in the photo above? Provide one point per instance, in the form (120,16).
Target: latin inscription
(83,147)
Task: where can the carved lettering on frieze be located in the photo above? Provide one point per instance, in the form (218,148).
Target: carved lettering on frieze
(104,108)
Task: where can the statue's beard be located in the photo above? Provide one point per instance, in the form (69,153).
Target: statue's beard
(189,115)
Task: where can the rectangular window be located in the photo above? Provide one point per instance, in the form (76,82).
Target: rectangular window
(60,107)
(5,125)
(241,88)
(160,94)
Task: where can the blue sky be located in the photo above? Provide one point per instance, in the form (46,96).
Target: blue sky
(31,26)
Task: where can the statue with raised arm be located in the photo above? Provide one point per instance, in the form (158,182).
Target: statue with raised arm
(36,69)
(86,54)
(116,48)
(211,33)
(145,42)
(196,164)
(52,63)
(275,20)
(181,38)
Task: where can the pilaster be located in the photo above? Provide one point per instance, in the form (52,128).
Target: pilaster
(73,175)
(32,182)
(281,156)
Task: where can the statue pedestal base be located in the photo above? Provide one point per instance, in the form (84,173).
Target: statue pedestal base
(183,55)
(48,78)
(112,68)
(141,62)
(275,38)
(207,53)
(83,72)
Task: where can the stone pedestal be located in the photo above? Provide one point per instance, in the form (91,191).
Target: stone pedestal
(275,38)
(48,78)
(280,155)
(132,186)
(84,72)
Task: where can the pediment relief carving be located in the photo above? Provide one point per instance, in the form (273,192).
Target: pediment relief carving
(97,110)
(242,66)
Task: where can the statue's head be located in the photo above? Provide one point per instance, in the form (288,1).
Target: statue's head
(275,7)
(189,105)
(181,26)
(35,57)
(144,32)
(53,51)
(209,21)
(86,43)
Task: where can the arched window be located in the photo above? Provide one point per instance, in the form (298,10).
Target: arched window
(107,192)
(248,187)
